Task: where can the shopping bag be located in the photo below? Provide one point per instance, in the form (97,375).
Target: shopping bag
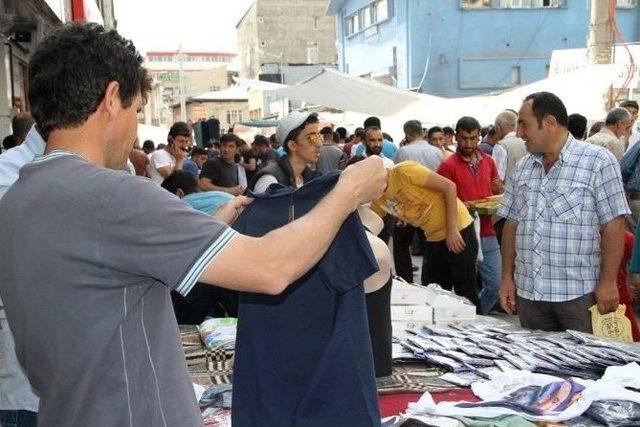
(611,325)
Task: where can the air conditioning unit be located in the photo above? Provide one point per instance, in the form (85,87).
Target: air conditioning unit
(626,3)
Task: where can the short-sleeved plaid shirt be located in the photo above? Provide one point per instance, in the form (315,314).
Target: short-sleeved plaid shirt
(559,217)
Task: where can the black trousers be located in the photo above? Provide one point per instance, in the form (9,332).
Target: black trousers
(379,315)
(556,316)
(402,238)
(454,271)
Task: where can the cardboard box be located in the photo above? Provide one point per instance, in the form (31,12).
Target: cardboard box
(399,327)
(422,313)
(403,293)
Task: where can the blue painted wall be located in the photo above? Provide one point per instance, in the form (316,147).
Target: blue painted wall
(468,52)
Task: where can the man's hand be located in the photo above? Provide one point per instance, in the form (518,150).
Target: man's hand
(176,152)
(230,211)
(366,180)
(508,295)
(237,190)
(454,242)
(607,298)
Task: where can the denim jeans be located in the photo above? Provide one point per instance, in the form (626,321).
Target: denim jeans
(18,419)
(490,269)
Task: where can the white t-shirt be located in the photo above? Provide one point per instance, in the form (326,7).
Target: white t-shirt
(159,159)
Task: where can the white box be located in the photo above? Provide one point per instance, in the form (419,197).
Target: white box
(399,327)
(422,313)
(403,293)
(454,313)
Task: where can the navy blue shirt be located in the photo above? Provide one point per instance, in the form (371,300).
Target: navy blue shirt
(303,358)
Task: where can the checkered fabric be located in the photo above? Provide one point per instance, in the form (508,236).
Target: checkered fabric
(559,215)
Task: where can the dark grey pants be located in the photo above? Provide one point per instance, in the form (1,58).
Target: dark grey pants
(556,316)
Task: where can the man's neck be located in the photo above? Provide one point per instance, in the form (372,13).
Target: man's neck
(81,140)
(552,154)
(229,162)
(297,165)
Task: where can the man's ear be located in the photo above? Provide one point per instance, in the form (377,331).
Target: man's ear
(111,101)
(180,193)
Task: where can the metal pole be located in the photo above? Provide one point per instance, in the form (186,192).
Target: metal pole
(183,97)
(600,42)
(281,68)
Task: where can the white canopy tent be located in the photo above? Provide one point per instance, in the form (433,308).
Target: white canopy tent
(583,91)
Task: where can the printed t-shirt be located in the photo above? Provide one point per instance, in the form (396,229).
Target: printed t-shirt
(407,199)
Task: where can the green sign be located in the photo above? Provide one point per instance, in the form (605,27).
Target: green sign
(168,76)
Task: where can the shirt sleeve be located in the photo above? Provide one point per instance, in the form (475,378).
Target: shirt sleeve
(160,159)
(349,260)
(494,170)
(445,170)
(500,159)
(147,231)
(507,207)
(264,182)
(610,197)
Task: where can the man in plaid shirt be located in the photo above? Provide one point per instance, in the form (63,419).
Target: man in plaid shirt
(563,240)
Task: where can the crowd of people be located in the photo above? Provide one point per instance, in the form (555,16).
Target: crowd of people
(96,227)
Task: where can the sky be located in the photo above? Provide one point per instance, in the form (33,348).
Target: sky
(200,25)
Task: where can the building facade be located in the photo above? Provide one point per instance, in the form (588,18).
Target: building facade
(279,32)
(456,48)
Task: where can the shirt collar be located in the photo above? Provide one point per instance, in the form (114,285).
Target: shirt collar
(54,155)
(567,152)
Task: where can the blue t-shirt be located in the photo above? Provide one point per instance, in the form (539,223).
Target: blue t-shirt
(388,149)
(207,201)
(190,166)
(303,358)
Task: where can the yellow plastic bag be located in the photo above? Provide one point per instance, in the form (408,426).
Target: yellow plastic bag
(611,325)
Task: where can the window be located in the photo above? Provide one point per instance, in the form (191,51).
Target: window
(626,4)
(475,4)
(366,17)
(312,55)
(516,75)
(315,22)
(234,116)
(352,24)
(530,4)
(382,10)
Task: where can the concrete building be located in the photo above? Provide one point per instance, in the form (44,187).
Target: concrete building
(457,48)
(23,24)
(229,105)
(275,33)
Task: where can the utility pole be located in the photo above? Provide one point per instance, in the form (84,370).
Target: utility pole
(600,42)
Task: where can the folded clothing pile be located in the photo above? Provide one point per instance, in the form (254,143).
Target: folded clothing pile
(219,333)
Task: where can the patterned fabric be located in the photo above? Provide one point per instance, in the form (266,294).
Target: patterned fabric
(559,216)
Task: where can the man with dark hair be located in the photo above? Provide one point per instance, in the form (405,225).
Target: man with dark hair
(342,135)
(373,145)
(105,288)
(194,164)
(265,155)
(632,107)
(298,133)
(223,173)
(331,157)
(148,147)
(171,158)
(595,128)
(435,137)
(615,133)
(476,177)
(577,126)
(21,124)
(489,140)
(448,136)
(9,142)
(388,147)
(563,239)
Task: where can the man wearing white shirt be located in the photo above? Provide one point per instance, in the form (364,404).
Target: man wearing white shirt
(171,158)
(18,402)
(509,148)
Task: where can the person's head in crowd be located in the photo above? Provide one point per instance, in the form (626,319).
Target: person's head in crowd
(181,183)
(357,158)
(435,136)
(448,135)
(619,122)
(577,125)
(300,136)
(373,141)
(207,145)
(359,134)
(505,123)
(114,89)
(229,145)
(413,130)
(489,134)
(595,128)
(199,156)
(161,146)
(342,133)
(542,122)
(21,124)
(273,141)
(260,145)
(179,137)
(336,138)
(327,134)
(372,121)
(467,136)
(148,146)
(387,137)
(9,142)
(632,107)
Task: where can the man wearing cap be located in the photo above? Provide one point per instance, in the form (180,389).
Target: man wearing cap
(299,135)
